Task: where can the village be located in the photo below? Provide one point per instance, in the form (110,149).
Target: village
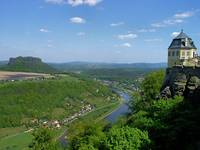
(57,124)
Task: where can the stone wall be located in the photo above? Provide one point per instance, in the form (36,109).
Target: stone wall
(182,81)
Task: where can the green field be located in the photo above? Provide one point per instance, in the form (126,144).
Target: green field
(19,141)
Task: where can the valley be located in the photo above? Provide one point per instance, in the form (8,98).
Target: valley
(62,101)
(31,100)
(58,101)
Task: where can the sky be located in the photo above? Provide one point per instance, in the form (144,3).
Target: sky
(117,31)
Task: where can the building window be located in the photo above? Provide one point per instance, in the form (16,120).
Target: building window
(188,53)
(183,53)
(173,53)
(169,53)
(177,53)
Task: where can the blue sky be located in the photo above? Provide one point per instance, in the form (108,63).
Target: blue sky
(120,31)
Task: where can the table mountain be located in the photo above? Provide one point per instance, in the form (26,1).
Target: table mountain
(28,64)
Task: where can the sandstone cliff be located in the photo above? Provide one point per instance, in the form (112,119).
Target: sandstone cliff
(182,81)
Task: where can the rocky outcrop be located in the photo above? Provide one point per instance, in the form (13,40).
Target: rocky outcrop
(28,64)
(182,81)
(27,60)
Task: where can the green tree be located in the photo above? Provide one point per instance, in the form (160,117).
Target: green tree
(43,140)
(152,84)
(126,138)
(149,90)
(90,137)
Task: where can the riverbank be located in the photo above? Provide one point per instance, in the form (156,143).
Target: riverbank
(112,111)
(122,101)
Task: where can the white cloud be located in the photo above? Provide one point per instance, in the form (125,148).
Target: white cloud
(44,30)
(153,40)
(167,22)
(56,1)
(184,15)
(75,2)
(146,30)
(77,20)
(172,21)
(117,24)
(128,45)
(80,33)
(127,36)
(175,19)
(84,2)
(175,34)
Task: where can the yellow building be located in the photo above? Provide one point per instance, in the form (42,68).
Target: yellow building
(182,51)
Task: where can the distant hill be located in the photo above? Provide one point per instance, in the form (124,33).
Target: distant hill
(28,64)
(74,66)
(2,63)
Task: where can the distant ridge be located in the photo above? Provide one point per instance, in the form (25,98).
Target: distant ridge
(2,63)
(89,65)
(28,64)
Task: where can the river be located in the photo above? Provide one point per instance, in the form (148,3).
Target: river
(122,110)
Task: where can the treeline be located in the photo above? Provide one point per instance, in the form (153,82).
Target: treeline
(153,124)
(23,101)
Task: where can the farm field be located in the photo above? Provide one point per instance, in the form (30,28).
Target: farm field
(8,75)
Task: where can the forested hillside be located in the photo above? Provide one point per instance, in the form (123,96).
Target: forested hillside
(23,101)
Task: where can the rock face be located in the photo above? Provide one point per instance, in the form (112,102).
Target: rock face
(182,81)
